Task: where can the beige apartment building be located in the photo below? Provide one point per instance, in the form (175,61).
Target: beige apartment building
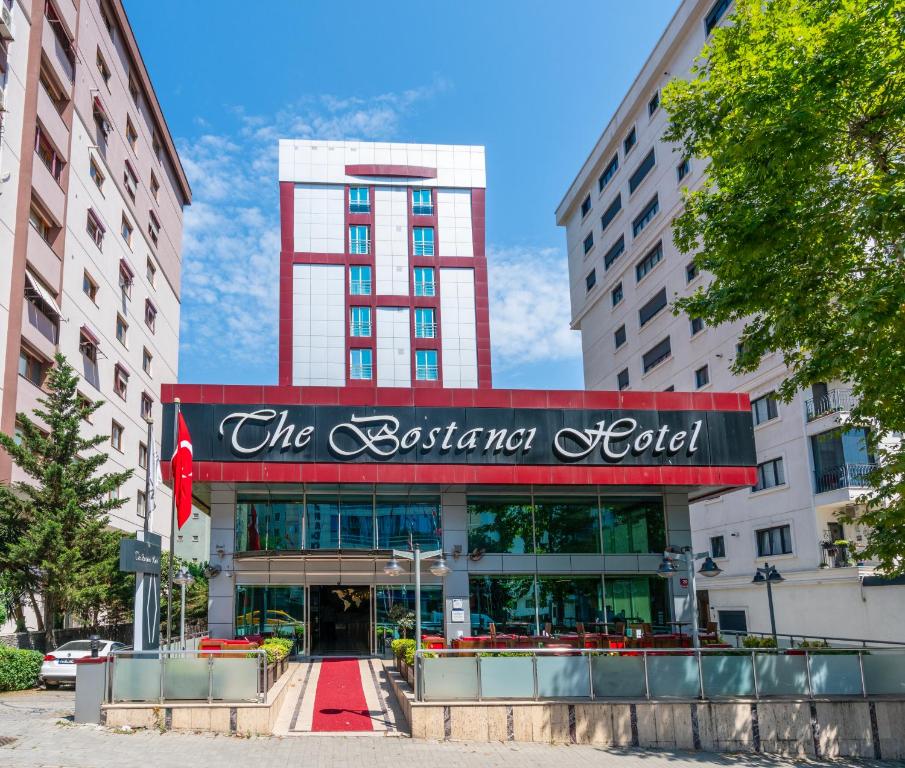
(625,272)
(92,194)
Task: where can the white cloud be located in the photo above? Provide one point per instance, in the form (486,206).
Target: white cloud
(529,307)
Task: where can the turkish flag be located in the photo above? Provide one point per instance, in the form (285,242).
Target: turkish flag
(182,473)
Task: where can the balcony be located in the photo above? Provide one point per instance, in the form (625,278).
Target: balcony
(39,329)
(57,54)
(845,476)
(41,257)
(425,330)
(52,122)
(360,287)
(834,401)
(835,555)
(48,190)
(359,246)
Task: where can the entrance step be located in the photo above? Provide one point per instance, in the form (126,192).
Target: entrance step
(340,696)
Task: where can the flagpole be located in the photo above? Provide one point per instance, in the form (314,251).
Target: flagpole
(176,402)
(149,455)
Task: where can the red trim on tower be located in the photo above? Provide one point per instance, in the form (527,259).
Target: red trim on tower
(287,236)
(436,343)
(401,171)
(482,301)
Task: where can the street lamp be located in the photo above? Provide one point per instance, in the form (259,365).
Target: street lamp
(769,575)
(184,579)
(668,569)
(439,568)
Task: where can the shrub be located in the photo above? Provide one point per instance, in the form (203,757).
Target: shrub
(277,649)
(404,649)
(813,644)
(753,641)
(19,669)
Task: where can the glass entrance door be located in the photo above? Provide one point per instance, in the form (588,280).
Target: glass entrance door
(340,619)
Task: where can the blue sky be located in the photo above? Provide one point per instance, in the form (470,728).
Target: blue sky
(533,82)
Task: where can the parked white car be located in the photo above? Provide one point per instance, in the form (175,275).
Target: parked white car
(59,665)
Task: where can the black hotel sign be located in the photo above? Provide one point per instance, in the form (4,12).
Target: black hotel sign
(411,435)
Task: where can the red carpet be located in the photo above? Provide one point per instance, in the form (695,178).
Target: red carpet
(339,701)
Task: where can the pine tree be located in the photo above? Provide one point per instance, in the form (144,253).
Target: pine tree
(51,525)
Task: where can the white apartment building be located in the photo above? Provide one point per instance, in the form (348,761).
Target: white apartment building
(625,272)
(91,202)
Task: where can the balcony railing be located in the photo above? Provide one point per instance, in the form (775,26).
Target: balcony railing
(846,476)
(360,207)
(360,287)
(425,330)
(359,246)
(835,555)
(361,372)
(425,289)
(424,249)
(423,209)
(834,401)
(361,329)
(426,372)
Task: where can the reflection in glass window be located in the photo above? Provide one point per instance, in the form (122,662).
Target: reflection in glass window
(356,530)
(507,601)
(396,612)
(564,601)
(500,525)
(402,523)
(322,522)
(263,524)
(567,525)
(271,610)
(637,599)
(633,526)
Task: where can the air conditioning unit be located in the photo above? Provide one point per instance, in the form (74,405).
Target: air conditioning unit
(6,23)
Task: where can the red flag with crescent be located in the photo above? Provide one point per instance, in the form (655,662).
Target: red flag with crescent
(182,473)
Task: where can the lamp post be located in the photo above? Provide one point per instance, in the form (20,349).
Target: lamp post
(769,575)
(439,568)
(184,579)
(708,568)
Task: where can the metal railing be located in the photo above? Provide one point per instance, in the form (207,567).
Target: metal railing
(655,674)
(425,330)
(191,675)
(426,372)
(425,289)
(360,287)
(834,555)
(361,372)
(359,246)
(834,401)
(423,209)
(790,641)
(845,476)
(424,249)
(360,207)
(360,328)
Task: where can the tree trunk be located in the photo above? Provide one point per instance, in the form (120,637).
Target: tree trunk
(48,624)
(19,616)
(37,609)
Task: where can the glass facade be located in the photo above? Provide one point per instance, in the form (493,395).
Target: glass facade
(395,611)
(264,524)
(269,610)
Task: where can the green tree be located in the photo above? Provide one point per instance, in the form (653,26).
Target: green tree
(799,108)
(195,595)
(102,592)
(52,523)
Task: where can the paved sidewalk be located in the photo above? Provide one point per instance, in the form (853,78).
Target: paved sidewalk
(32,719)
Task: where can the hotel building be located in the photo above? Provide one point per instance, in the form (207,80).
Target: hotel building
(625,272)
(384,433)
(91,201)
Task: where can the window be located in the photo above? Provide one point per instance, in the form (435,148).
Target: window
(764,408)
(85,407)
(130,180)
(150,315)
(122,330)
(426,365)
(619,336)
(586,206)
(48,154)
(774,541)
(701,377)
(590,280)
(629,141)
(622,379)
(424,281)
(588,242)
(769,475)
(126,277)
(608,173)
(425,325)
(141,503)
(146,361)
(120,381)
(108,24)
(55,92)
(133,88)
(151,272)
(697,325)
(359,202)
(424,241)
(610,213)
(641,171)
(656,355)
(155,188)
(653,257)
(715,14)
(32,367)
(147,405)
(359,240)
(95,228)
(116,435)
(361,365)
(682,169)
(102,67)
(89,287)
(153,227)
(616,294)
(691,271)
(422,202)
(41,223)
(155,145)
(126,231)
(717,546)
(360,281)
(97,176)
(615,251)
(652,307)
(654,104)
(644,218)
(131,134)
(360,321)
(88,346)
